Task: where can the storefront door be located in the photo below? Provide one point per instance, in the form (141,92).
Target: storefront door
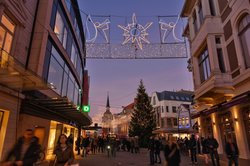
(208,126)
(226,127)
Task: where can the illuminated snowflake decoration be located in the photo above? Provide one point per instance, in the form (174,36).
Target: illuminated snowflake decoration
(136,33)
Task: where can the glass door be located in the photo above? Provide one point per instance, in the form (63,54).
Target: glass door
(226,127)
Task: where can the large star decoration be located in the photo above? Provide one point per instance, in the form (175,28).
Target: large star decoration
(135,32)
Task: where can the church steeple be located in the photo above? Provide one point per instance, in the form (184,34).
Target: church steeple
(107,104)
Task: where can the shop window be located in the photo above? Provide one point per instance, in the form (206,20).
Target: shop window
(7,28)
(244,33)
(204,65)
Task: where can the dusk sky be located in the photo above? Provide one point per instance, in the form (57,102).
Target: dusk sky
(121,77)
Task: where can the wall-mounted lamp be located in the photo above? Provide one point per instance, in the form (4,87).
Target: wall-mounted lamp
(236,119)
(213,123)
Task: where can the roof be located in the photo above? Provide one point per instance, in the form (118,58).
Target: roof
(107,104)
(176,96)
(130,106)
(187,8)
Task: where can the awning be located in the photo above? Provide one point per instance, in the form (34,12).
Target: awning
(14,75)
(173,130)
(196,115)
(240,99)
(59,109)
(243,98)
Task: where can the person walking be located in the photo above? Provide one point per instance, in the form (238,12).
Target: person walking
(157,150)
(193,149)
(172,153)
(78,145)
(151,148)
(85,145)
(64,152)
(186,144)
(100,144)
(205,150)
(137,149)
(232,152)
(213,146)
(25,152)
(70,140)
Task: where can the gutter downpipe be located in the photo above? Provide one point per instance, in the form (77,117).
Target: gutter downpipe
(32,35)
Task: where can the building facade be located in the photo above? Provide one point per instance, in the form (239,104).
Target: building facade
(170,107)
(122,120)
(107,119)
(219,33)
(42,60)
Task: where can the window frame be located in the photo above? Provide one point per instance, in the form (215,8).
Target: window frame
(204,63)
(7,32)
(242,29)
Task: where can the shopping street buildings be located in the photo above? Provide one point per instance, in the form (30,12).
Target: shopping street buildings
(219,33)
(42,60)
(172,112)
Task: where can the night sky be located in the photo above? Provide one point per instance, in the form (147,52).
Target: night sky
(121,77)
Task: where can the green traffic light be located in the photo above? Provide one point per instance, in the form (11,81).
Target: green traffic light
(85,108)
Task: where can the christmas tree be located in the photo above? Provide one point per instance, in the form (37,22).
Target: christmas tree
(142,121)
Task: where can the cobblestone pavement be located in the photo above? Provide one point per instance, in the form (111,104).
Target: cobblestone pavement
(129,159)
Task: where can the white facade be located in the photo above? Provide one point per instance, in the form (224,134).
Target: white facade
(166,105)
